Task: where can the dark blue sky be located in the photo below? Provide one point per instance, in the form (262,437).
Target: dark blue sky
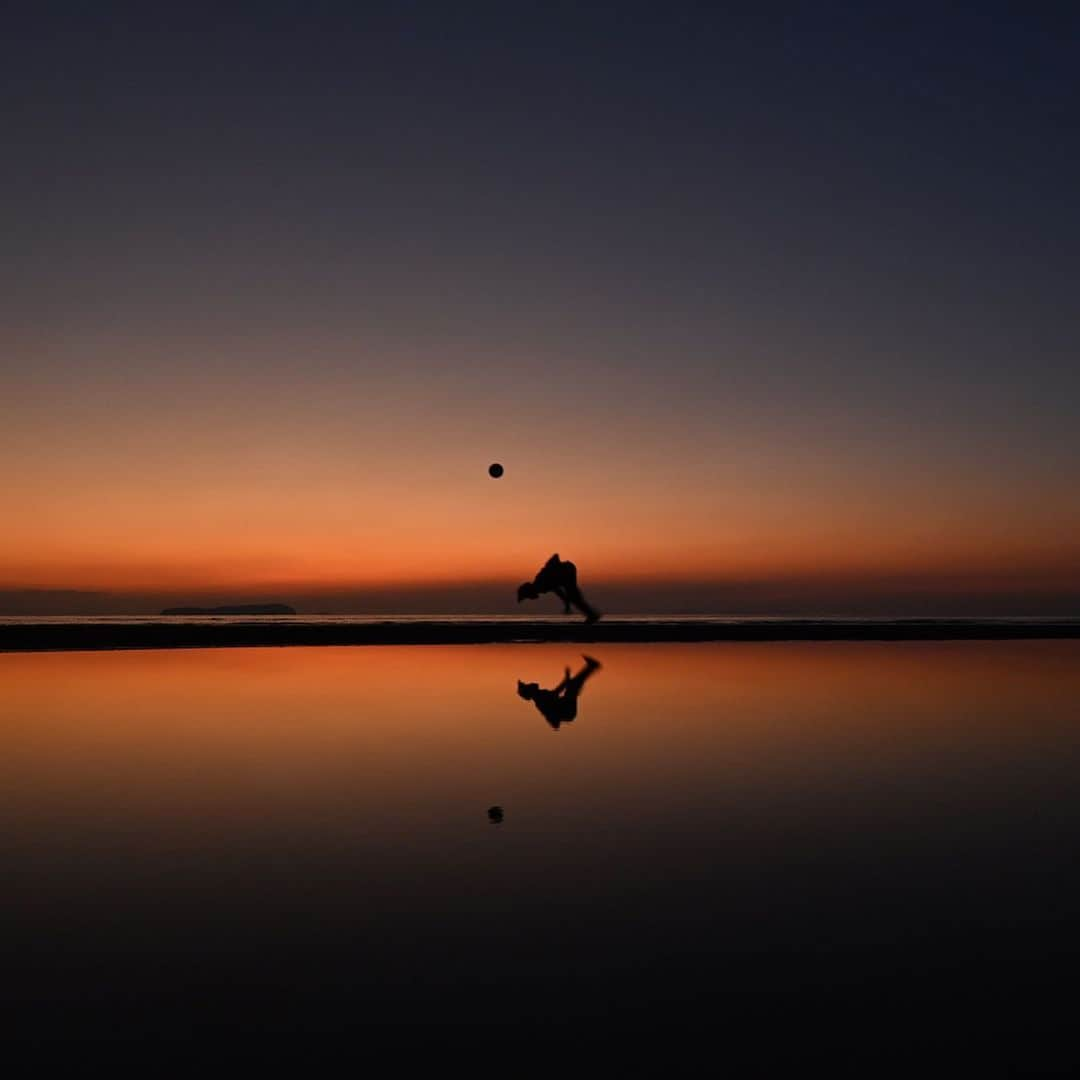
(871,174)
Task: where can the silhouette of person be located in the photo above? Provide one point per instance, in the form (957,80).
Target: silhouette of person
(558,576)
(559,706)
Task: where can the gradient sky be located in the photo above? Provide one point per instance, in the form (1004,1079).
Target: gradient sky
(764,313)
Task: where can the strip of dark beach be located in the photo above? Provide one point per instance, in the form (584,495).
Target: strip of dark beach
(53,636)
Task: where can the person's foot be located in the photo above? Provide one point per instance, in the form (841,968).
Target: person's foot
(590,661)
(592,617)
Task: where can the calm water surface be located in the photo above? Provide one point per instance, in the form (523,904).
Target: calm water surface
(300,839)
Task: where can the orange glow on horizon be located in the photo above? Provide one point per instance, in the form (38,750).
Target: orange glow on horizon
(270,503)
(411,566)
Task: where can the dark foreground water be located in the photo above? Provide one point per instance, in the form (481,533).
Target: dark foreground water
(767,842)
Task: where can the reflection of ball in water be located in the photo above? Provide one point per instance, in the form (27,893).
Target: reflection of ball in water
(495,471)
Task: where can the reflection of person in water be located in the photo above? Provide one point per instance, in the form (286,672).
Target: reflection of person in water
(558,576)
(559,705)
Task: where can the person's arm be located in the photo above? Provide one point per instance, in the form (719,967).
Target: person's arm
(579,601)
(560,592)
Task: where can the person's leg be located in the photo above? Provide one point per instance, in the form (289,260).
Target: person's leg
(575,684)
(571,592)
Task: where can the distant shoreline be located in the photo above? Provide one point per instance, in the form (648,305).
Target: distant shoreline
(83,636)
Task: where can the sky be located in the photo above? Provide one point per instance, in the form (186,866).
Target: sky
(763,313)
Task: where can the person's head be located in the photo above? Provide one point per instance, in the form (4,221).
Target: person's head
(527,690)
(527,591)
